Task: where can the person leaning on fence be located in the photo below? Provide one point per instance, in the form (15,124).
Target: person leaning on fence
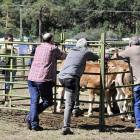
(41,79)
(69,77)
(133,53)
(32,49)
(7,51)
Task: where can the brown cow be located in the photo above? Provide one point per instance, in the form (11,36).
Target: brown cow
(90,81)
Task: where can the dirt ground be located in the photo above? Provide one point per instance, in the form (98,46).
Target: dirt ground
(54,121)
(13,127)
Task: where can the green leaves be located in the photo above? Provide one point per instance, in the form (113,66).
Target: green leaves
(74,16)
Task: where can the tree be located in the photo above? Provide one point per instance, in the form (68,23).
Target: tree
(138,28)
(71,16)
(8,18)
(42,11)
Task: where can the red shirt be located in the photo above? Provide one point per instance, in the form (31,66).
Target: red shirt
(44,65)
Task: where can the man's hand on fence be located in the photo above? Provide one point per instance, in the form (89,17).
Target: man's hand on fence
(16,48)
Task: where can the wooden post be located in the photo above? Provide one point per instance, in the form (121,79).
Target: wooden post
(102,85)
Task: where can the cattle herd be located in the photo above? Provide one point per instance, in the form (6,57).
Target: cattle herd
(111,80)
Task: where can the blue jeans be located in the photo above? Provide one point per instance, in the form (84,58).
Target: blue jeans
(30,62)
(136,102)
(37,90)
(7,85)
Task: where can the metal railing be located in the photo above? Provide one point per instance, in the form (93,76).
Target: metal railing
(101,45)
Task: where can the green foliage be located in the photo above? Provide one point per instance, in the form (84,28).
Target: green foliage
(111,35)
(96,33)
(80,35)
(78,18)
(88,34)
(56,34)
(106,25)
(132,35)
(119,30)
(69,34)
(138,28)
(34,29)
(9,17)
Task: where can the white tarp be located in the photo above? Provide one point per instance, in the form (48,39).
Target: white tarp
(23,49)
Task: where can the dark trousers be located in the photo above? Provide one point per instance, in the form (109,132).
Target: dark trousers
(72,90)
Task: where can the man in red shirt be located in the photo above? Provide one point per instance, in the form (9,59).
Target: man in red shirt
(41,79)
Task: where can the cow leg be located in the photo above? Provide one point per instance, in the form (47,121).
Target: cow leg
(115,106)
(127,108)
(118,97)
(91,98)
(120,104)
(108,105)
(129,114)
(60,91)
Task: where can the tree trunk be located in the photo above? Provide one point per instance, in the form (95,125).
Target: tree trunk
(40,26)
(21,37)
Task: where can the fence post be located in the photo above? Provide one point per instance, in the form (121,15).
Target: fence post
(55,92)
(23,63)
(132,82)
(102,85)
(11,77)
(62,41)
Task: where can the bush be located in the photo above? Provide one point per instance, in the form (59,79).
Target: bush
(111,35)
(90,34)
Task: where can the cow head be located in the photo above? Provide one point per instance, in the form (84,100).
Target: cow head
(113,66)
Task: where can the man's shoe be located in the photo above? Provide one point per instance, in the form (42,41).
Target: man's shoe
(6,104)
(37,128)
(67,132)
(137,130)
(27,121)
(78,112)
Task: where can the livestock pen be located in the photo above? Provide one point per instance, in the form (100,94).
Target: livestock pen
(22,101)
